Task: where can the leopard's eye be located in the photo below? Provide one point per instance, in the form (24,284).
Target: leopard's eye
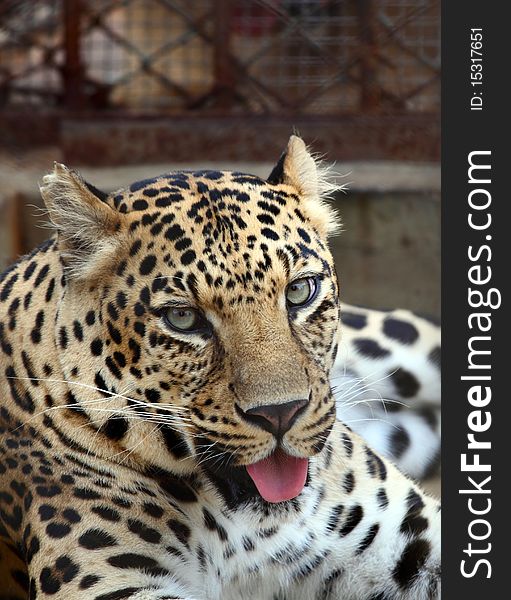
(301,291)
(184,319)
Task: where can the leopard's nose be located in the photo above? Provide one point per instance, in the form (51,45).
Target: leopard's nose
(274,418)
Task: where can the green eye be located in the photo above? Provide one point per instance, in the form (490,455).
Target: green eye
(184,319)
(301,292)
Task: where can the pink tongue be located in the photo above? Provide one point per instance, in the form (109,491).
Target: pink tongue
(279,477)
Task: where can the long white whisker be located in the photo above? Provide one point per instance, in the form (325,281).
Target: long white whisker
(103,391)
(350,421)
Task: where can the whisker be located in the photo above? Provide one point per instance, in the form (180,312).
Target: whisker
(348,422)
(103,391)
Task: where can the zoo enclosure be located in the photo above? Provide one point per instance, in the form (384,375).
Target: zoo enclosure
(120,81)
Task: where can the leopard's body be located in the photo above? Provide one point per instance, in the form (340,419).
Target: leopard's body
(124,439)
(386,379)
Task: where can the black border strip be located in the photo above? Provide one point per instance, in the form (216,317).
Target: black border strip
(465,131)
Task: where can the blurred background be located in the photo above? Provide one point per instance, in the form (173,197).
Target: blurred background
(124,89)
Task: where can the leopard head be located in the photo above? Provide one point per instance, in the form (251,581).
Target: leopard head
(201,316)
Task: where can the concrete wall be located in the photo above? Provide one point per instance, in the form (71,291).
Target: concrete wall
(388,254)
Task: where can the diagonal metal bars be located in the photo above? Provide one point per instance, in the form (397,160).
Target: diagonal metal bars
(229,56)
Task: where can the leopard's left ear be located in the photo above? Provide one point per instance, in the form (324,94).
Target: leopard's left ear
(298,168)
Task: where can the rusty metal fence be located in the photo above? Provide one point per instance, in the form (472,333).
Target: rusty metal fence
(368,68)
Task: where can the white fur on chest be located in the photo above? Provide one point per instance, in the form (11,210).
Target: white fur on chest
(292,563)
(261,557)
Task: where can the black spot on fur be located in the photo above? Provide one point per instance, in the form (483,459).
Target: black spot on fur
(348,483)
(188,257)
(121,594)
(57,530)
(399,330)
(35,334)
(115,428)
(370,348)
(48,491)
(435,356)
(86,494)
(138,185)
(304,235)
(148,534)
(382,499)
(335,515)
(353,320)
(67,568)
(375,466)
(174,232)
(176,487)
(265,219)
(347,444)
(368,539)
(406,384)
(71,515)
(130,560)
(96,347)
(107,513)
(414,522)
(140,205)
(50,584)
(180,530)
(95,539)
(212,524)
(41,276)
(147,265)
(174,442)
(135,247)
(29,271)
(353,518)
(399,441)
(153,510)
(430,416)
(46,512)
(88,581)
(270,234)
(274,210)
(248,544)
(78,330)
(411,562)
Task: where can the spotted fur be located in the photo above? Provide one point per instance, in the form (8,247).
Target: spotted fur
(123,441)
(386,379)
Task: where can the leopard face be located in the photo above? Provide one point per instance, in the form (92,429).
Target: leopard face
(199,316)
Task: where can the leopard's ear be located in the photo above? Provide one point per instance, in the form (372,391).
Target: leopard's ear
(310,177)
(88,229)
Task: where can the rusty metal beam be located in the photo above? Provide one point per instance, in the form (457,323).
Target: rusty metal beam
(370,95)
(224,74)
(73,69)
(114,141)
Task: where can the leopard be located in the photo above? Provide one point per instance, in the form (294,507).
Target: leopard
(168,421)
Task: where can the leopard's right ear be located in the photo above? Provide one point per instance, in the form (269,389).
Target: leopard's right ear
(311,179)
(88,229)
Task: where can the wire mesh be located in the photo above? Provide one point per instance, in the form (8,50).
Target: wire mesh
(31,55)
(312,57)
